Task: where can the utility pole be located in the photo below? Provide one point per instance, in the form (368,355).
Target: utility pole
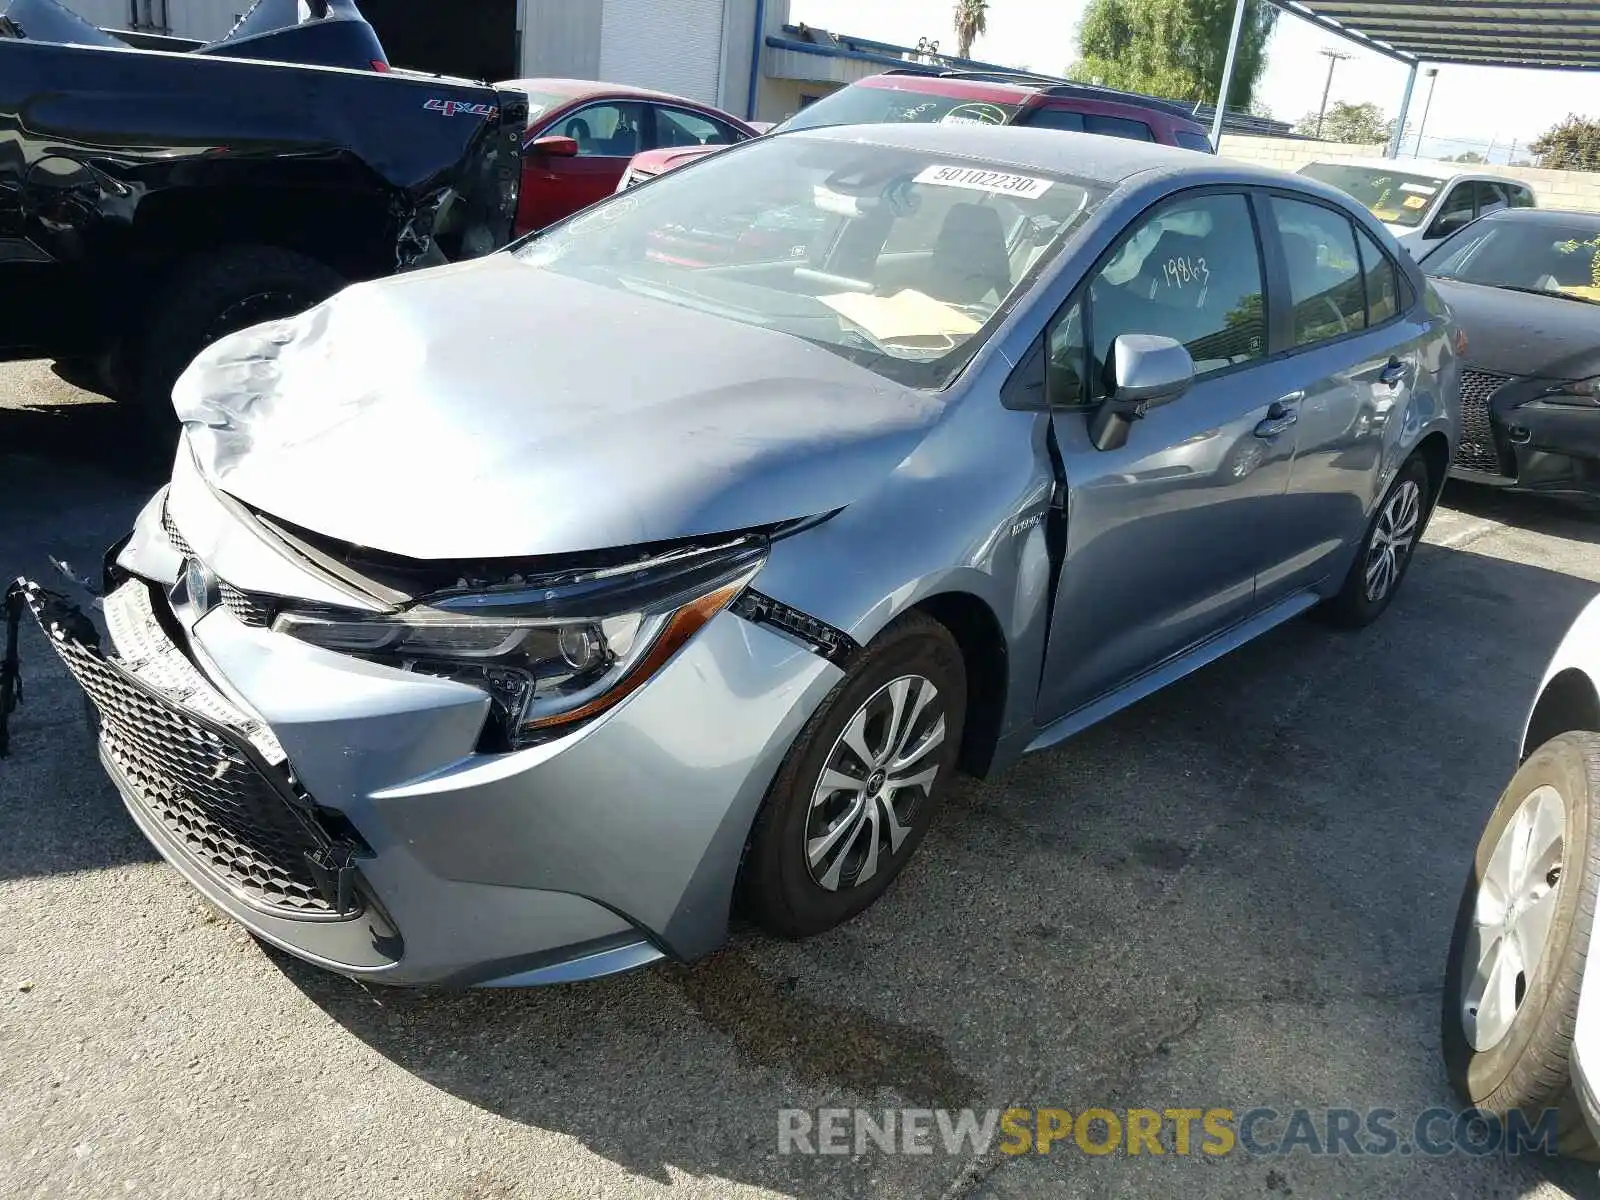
(1433,78)
(1334,57)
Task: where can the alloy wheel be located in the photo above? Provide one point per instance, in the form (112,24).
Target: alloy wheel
(1514,909)
(881,767)
(1393,538)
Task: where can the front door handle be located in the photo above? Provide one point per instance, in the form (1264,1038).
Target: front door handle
(1279,416)
(1392,373)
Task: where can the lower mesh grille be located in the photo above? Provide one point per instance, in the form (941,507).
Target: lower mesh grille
(1477,451)
(206,786)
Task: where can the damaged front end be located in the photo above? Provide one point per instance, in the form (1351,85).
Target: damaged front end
(209,779)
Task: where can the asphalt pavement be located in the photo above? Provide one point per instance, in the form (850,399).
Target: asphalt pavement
(1236,894)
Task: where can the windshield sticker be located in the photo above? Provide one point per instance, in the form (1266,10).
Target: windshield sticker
(1418,188)
(1416,202)
(978,180)
(974,114)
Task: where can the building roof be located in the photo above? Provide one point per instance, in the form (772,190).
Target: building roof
(1559,34)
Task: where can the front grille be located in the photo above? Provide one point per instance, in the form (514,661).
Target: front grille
(204,784)
(170,528)
(250,608)
(1477,450)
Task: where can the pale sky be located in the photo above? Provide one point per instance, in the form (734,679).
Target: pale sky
(1473,104)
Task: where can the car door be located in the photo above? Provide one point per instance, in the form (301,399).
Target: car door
(608,133)
(1352,367)
(1164,536)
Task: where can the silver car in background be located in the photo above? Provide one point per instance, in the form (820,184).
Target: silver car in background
(516,621)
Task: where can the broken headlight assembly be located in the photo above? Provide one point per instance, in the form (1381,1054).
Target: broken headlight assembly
(550,654)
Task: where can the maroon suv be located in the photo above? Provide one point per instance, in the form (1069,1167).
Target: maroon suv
(976,97)
(980,98)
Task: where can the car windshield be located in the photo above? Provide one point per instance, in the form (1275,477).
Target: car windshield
(864,105)
(902,261)
(1562,258)
(1394,197)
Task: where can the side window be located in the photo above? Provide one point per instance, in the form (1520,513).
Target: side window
(1454,212)
(1120,127)
(1057,118)
(1192,141)
(1521,197)
(1491,197)
(609,130)
(1319,256)
(680,127)
(1383,288)
(1191,272)
(1064,365)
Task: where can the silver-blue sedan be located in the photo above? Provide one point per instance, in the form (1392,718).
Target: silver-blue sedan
(515,621)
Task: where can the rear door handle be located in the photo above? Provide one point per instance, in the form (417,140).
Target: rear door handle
(1279,416)
(1392,373)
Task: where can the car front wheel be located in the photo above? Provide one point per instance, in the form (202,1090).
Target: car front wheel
(1387,548)
(1521,937)
(860,785)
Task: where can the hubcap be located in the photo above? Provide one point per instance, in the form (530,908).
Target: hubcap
(881,767)
(1392,539)
(1511,918)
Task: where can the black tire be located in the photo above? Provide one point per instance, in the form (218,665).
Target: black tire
(777,886)
(1529,1067)
(219,294)
(1354,606)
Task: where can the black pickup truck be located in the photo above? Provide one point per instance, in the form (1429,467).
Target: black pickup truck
(156,194)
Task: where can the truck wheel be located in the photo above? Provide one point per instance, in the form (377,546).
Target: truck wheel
(218,295)
(1521,939)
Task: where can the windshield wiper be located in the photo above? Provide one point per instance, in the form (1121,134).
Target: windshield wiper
(1533,291)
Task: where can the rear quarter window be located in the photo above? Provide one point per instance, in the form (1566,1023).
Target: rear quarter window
(1192,141)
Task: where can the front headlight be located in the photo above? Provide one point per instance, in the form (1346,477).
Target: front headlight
(1574,391)
(547,656)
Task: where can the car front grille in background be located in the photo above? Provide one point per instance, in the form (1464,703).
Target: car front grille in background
(1476,451)
(205,785)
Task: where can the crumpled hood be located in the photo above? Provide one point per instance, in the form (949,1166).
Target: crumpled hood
(494,409)
(1517,333)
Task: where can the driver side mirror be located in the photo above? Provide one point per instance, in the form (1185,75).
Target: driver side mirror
(1147,370)
(554,144)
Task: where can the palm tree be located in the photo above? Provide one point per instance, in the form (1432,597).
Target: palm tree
(972,21)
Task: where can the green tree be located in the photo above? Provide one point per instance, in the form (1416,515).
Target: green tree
(1573,145)
(972,22)
(1343,122)
(1173,48)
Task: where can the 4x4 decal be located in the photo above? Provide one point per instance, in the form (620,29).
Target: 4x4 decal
(451,107)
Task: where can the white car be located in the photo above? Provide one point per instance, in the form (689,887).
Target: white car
(1419,201)
(1521,1018)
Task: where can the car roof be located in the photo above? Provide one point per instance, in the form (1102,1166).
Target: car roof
(582,89)
(1090,157)
(1067,95)
(1448,171)
(1545,216)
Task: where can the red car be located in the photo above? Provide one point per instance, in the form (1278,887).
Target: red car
(582,134)
(975,97)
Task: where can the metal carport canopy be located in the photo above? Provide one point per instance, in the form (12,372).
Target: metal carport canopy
(1543,34)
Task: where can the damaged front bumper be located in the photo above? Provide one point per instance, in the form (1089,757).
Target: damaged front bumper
(343,811)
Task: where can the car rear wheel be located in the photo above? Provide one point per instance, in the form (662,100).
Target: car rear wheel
(1520,941)
(1387,549)
(860,785)
(218,295)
